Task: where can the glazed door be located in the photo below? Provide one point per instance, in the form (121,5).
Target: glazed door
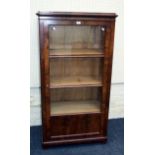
(76,55)
(73,82)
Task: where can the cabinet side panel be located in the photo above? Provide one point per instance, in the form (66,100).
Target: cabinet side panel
(108,56)
(44,81)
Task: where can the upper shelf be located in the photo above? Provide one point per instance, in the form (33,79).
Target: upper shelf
(76,53)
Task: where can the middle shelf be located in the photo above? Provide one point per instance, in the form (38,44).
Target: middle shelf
(53,53)
(75,82)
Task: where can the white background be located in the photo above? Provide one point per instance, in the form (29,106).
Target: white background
(139,77)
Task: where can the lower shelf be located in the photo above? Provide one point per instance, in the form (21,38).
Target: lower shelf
(72,107)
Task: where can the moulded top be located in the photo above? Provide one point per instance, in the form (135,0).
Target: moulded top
(77,14)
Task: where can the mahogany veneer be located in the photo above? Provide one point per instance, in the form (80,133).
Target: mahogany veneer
(76,51)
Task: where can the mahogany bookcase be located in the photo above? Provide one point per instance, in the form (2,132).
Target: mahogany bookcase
(76,51)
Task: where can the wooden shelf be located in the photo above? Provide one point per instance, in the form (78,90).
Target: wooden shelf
(76,53)
(69,107)
(75,82)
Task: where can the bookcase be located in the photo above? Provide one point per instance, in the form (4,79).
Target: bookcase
(76,51)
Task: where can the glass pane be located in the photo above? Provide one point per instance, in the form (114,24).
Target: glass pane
(76,39)
(75,72)
(75,80)
(75,100)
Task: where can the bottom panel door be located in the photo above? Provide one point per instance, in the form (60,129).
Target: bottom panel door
(75,126)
